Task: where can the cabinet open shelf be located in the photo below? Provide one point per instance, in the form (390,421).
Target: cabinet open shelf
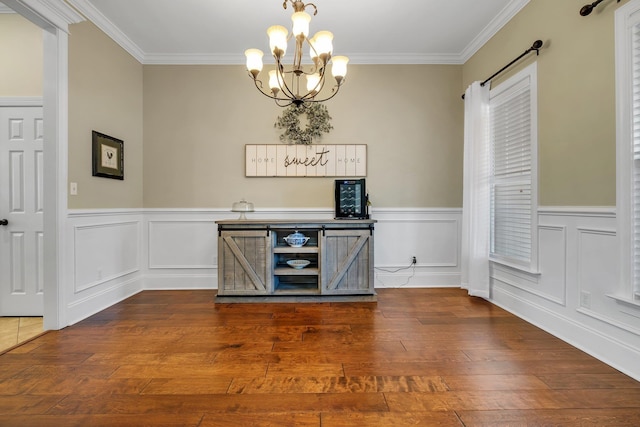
(290,250)
(301,286)
(290,280)
(288,271)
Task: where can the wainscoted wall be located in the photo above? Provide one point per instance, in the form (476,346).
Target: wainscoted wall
(571,295)
(114,254)
(182,245)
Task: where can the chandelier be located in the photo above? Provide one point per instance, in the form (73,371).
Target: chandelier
(285,81)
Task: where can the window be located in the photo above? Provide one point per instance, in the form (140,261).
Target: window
(628,143)
(513,139)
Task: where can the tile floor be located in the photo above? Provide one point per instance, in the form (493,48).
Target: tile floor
(14,330)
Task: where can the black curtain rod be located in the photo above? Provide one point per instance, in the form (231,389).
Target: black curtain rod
(588,8)
(535,46)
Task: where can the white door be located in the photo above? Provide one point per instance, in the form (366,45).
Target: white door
(21,199)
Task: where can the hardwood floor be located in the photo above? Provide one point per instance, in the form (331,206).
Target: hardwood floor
(15,330)
(417,357)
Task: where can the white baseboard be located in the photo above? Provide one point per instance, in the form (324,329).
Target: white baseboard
(593,342)
(180,281)
(95,302)
(417,279)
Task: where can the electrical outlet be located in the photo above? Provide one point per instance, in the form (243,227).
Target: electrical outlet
(413,260)
(585,299)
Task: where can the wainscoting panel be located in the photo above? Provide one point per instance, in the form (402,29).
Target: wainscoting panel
(552,259)
(181,248)
(181,244)
(104,260)
(551,283)
(431,235)
(103,252)
(597,264)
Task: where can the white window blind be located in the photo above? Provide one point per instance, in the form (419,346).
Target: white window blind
(635,34)
(512,171)
(627,42)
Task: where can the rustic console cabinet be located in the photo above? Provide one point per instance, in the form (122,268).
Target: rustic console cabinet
(253,255)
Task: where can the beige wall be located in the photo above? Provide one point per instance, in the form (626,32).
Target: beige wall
(21,53)
(197,120)
(576,95)
(105,94)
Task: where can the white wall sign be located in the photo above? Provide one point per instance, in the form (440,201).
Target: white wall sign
(298,160)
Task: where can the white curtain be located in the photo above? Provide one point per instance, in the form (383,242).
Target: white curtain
(476,192)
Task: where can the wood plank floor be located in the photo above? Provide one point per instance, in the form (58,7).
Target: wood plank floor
(416,357)
(16,330)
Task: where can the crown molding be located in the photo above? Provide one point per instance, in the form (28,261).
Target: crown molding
(408,58)
(46,12)
(5,9)
(193,59)
(95,16)
(492,28)
(239,59)
(101,21)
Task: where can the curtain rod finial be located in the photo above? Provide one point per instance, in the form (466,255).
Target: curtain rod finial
(586,10)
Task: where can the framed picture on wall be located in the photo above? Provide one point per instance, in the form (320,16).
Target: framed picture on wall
(108,156)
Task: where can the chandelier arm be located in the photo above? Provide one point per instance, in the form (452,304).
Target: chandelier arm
(282,82)
(315,9)
(258,84)
(334,92)
(297,55)
(299,6)
(280,104)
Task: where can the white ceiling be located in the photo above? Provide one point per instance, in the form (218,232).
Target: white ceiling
(368,31)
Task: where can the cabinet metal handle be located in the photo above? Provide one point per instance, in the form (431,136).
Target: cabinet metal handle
(4,222)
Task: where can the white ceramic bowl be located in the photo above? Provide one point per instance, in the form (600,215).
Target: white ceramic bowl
(296,240)
(298,263)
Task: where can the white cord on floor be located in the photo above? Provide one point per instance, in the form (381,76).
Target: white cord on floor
(413,273)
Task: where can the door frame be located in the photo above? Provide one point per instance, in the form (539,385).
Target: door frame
(54,17)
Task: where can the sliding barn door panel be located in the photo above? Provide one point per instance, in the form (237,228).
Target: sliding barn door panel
(246,261)
(347,262)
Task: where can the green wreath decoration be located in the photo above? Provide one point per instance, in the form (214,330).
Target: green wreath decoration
(317,115)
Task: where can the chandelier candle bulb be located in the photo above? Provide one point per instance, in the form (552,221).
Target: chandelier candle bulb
(313,53)
(300,24)
(254,61)
(278,40)
(339,68)
(313,83)
(323,44)
(274,84)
